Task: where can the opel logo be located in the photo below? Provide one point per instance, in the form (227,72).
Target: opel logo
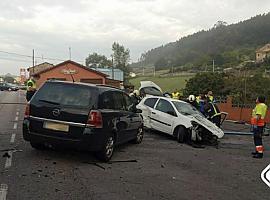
(56,112)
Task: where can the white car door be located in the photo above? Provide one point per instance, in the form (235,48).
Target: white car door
(147,107)
(163,117)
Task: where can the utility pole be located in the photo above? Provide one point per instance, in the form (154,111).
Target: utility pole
(69,48)
(112,69)
(33,59)
(154,71)
(213,65)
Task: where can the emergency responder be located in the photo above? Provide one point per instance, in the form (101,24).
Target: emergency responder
(191,100)
(31,88)
(258,123)
(210,96)
(135,97)
(212,112)
(176,94)
(201,100)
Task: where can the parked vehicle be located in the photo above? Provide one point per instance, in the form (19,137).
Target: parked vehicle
(82,116)
(177,118)
(8,87)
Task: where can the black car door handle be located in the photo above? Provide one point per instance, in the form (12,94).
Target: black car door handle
(153,113)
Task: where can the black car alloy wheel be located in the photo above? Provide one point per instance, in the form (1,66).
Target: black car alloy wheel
(139,136)
(106,153)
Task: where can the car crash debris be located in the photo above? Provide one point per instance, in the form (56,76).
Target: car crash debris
(121,161)
(96,164)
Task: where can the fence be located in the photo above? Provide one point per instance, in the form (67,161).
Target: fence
(237,112)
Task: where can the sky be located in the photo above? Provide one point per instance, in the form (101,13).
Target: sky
(51,27)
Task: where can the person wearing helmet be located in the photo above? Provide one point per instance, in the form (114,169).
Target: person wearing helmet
(31,88)
(191,99)
(135,97)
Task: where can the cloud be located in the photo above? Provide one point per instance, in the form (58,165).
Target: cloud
(50,26)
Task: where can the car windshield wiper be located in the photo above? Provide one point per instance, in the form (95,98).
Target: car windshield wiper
(51,102)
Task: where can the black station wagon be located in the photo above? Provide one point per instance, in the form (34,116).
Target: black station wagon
(81,116)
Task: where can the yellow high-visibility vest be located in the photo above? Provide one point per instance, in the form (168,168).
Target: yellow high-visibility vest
(175,95)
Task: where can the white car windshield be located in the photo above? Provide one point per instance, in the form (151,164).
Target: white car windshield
(185,108)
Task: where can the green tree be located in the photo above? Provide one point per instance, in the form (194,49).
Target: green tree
(121,56)
(96,60)
(203,82)
(161,63)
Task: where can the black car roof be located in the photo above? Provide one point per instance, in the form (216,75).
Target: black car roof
(101,87)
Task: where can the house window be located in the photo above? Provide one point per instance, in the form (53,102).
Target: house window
(258,55)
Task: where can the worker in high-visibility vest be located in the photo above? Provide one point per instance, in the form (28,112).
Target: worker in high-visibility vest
(31,88)
(210,96)
(258,123)
(176,94)
(212,112)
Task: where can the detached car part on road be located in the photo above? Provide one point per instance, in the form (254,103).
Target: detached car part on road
(81,116)
(179,119)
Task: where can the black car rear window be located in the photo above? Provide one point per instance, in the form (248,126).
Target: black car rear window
(66,94)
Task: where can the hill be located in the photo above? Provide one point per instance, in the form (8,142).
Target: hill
(227,45)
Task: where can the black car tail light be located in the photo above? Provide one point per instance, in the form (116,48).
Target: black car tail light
(95,119)
(27,111)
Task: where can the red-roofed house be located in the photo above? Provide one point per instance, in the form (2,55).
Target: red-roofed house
(68,70)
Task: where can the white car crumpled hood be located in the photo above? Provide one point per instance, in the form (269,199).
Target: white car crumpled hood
(208,125)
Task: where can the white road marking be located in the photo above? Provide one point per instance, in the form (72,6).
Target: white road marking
(9,160)
(12,139)
(15,125)
(3,191)
(16,118)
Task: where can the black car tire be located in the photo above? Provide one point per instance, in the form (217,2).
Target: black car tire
(214,140)
(107,151)
(38,146)
(139,136)
(180,134)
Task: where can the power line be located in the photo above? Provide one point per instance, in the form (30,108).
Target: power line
(17,54)
(13,59)
(30,56)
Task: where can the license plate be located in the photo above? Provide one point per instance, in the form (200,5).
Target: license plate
(56,126)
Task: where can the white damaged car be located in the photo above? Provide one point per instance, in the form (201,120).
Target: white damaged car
(149,88)
(178,119)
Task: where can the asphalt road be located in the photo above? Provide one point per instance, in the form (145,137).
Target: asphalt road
(164,169)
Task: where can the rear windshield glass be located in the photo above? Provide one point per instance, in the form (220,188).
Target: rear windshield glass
(66,95)
(151,90)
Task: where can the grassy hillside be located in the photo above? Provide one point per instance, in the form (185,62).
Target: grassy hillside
(167,84)
(227,45)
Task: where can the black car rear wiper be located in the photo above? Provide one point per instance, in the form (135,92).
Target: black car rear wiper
(51,102)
